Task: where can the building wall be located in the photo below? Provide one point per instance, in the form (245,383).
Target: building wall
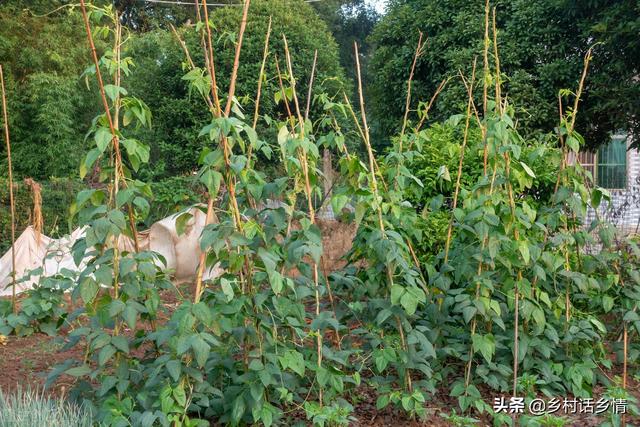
(625,210)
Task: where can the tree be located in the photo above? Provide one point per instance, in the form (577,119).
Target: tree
(179,116)
(43,51)
(145,16)
(349,21)
(541,46)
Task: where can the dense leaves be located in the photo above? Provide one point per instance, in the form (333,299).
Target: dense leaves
(520,294)
(541,46)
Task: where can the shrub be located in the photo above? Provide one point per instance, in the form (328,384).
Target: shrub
(170,195)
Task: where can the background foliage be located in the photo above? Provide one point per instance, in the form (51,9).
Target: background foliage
(541,46)
(178,116)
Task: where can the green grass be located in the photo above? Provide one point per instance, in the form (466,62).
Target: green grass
(27,408)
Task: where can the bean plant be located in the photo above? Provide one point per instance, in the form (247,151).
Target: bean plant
(522,295)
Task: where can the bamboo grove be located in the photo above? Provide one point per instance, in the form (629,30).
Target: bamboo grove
(527,296)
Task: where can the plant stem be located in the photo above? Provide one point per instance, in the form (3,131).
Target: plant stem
(441,86)
(12,203)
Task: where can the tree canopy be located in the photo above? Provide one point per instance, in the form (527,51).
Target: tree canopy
(541,46)
(43,57)
(178,114)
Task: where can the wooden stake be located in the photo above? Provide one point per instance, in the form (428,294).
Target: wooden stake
(235,211)
(497,62)
(265,53)
(419,51)
(312,214)
(485,84)
(310,91)
(374,187)
(12,203)
(464,146)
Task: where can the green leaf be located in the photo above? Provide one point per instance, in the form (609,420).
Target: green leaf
(382,402)
(227,289)
(396,293)
(269,259)
(91,158)
(121,343)
(202,313)
(523,247)
(102,137)
(485,344)
(211,179)
(607,303)
(105,354)
(113,91)
(174,368)
(573,143)
(266,416)
(293,360)
(276,280)
(238,409)
(468,312)
(411,298)
(181,222)
(409,302)
(200,350)
(180,396)
(130,315)
(596,198)
(79,371)
(88,290)
(338,202)
(528,170)
(631,316)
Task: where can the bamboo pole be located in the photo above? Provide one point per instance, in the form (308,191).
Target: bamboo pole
(485,85)
(374,187)
(210,61)
(418,53)
(460,163)
(310,91)
(236,59)
(312,214)
(497,62)
(441,86)
(223,141)
(265,54)
(261,76)
(192,65)
(12,203)
(516,233)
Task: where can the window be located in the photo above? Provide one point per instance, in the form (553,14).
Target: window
(612,164)
(608,167)
(587,160)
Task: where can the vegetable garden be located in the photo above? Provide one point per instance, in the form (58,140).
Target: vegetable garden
(475,270)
